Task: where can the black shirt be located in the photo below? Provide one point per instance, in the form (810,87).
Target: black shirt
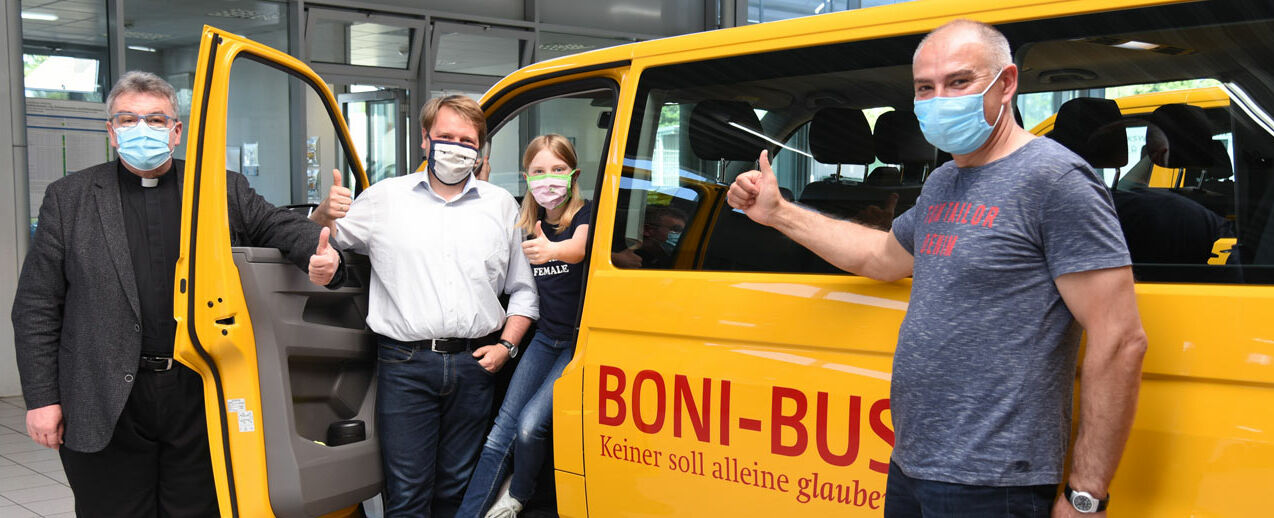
(559,283)
(152,220)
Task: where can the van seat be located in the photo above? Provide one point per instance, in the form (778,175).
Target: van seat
(1094,129)
(899,141)
(712,137)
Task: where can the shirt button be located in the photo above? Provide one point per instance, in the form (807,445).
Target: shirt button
(128,378)
(137,327)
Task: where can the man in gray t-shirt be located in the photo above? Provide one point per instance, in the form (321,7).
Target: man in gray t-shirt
(1015,248)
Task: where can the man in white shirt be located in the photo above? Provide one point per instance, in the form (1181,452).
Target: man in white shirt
(443,247)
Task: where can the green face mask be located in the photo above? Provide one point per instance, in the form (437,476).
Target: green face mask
(551,190)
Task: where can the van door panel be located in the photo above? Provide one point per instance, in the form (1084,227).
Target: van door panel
(316,361)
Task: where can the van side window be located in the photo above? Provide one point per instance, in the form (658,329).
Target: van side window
(583,117)
(1167,152)
(837,145)
(1180,132)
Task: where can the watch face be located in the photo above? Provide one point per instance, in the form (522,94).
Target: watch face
(1083,503)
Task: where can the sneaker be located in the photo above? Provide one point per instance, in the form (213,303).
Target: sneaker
(505,507)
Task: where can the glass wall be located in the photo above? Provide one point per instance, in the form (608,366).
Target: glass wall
(65,65)
(760,11)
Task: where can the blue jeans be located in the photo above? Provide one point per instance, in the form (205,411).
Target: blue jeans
(523,426)
(907,497)
(431,410)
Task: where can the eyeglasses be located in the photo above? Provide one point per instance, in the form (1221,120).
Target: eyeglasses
(157,121)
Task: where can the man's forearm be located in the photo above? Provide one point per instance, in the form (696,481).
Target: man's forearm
(1109,384)
(514,328)
(846,245)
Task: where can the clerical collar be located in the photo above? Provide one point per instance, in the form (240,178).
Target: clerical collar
(150,182)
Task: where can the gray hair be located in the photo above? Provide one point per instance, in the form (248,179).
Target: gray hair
(990,37)
(139,82)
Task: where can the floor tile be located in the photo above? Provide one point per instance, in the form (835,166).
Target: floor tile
(14,437)
(14,511)
(14,470)
(47,507)
(59,476)
(19,447)
(24,481)
(5,462)
(37,494)
(44,466)
(32,456)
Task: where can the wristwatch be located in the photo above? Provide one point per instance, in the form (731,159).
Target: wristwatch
(512,347)
(1084,502)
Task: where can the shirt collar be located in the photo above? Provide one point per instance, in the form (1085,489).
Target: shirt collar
(470,186)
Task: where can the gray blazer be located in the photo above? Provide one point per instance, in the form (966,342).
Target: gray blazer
(76,316)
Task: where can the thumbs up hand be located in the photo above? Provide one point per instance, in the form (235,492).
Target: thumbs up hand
(325,260)
(756,193)
(336,204)
(539,250)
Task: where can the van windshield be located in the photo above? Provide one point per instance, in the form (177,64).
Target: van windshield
(1110,86)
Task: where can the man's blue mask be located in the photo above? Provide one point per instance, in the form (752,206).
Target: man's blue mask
(956,124)
(143,147)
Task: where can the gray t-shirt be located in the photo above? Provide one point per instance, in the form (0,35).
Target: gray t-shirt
(985,365)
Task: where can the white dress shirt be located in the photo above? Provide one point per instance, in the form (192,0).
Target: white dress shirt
(438,267)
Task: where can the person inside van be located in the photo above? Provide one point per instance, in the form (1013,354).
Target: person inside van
(557,217)
(443,248)
(1010,245)
(660,234)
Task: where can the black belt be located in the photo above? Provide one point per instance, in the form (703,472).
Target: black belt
(453,345)
(155,364)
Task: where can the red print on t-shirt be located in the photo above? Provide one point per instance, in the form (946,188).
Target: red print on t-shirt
(961,212)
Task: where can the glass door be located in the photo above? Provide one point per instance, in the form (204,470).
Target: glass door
(378,123)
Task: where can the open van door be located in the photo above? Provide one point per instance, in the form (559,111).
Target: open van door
(282,360)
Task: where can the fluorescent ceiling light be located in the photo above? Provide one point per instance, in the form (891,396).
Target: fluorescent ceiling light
(1137,45)
(44,17)
(141,48)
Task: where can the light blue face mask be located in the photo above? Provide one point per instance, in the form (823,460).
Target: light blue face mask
(956,124)
(143,147)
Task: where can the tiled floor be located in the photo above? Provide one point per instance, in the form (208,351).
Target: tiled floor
(31,479)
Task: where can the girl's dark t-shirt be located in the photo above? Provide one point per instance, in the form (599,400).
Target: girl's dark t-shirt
(559,283)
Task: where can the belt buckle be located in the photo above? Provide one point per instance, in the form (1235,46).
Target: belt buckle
(433,346)
(168,363)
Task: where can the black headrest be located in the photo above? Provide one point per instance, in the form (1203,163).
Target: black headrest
(1220,167)
(1094,129)
(713,138)
(884,175)
(899,140)
(1189,135)
(841,136)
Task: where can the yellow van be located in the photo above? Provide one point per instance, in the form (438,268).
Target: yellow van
(732,372)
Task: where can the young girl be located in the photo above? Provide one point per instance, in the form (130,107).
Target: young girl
(555,214)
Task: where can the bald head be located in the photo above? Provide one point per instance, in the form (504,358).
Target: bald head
(994,46)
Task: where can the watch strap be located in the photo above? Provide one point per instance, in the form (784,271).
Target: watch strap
(512,347)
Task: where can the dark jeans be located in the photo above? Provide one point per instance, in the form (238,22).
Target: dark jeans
(523,427)
(907,497)
(157,463)
(431,411)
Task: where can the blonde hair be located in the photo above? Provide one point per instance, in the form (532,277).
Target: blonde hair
(562,148)
(464,106)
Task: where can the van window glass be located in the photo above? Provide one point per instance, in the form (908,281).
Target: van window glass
(584,118)
(1198,72)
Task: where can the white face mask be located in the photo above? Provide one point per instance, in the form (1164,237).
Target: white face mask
(451,162)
